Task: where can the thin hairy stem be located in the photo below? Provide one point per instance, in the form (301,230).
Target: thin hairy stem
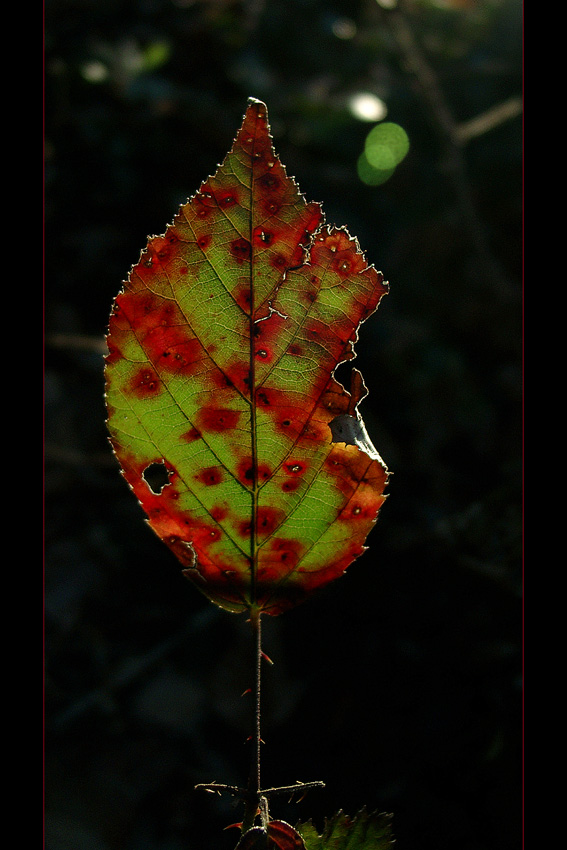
(254,782)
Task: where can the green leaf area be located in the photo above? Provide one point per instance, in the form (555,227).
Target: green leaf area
(219,378)
(365,831)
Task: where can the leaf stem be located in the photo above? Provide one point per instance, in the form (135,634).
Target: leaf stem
(254,782)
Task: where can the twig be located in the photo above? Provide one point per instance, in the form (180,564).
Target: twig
(451,139)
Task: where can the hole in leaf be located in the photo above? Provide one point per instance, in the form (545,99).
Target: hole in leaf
(156,477)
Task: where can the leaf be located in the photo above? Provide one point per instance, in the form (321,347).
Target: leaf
(366,831)
(278,835)
(248,457)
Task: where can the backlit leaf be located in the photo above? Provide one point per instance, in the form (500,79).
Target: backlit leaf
(248,457)
(365,831)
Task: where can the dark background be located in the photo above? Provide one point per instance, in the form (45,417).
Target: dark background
(399,685)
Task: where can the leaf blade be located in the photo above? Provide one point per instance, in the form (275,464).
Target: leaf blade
(222,350)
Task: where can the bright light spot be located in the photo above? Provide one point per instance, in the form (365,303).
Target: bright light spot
(386,145)
(344,28)
(387,4)
(94,72)
(367,107)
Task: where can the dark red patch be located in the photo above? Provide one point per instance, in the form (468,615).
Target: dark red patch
(220,380)
(270,329)
(262,237)
(357,511)
(315,217)
(242,294)
(145,383)
(279,261)
(343,265)
(245,529)
(316,329)
(204,241)
(141,311)
(173,350)
(291,485)
(203,202)
(263,398)
(238,375)
(191,435)
(271,206)
(286,552)
(267,520)
(217,419)
(219,512)
(226,198)
(290,420)
(240,250)
(269,182)
(245,472)
(295,467)
(316,431)
(264,354)
(294,348)
(210,476)
(114,351)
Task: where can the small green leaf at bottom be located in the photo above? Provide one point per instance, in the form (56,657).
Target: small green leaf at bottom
(365,831)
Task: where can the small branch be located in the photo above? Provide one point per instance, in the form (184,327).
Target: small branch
(451,137)
(244,794)
(77,342)
(486,121)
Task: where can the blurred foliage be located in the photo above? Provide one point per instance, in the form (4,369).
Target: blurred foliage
(400,686)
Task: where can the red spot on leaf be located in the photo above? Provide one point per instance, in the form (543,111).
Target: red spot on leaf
(291,485)
(269,182)
(245,472)
(267,520)
(263,398)
(284,552)
(210,476)
(242,294)
(295,467)
(271,206)
(219,513)
(238,375)
(226,198)
(204,241)
(262,237)
(173,350)
(191,435)
(240,250)
(203,202)
(263,354)
(217,419)
(279,261)
(145,383)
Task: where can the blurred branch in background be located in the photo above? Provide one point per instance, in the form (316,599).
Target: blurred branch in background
(489,120)
(397,15)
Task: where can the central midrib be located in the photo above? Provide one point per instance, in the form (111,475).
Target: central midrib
(252,374)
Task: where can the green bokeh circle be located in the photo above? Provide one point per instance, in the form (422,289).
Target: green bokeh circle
(386,145)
